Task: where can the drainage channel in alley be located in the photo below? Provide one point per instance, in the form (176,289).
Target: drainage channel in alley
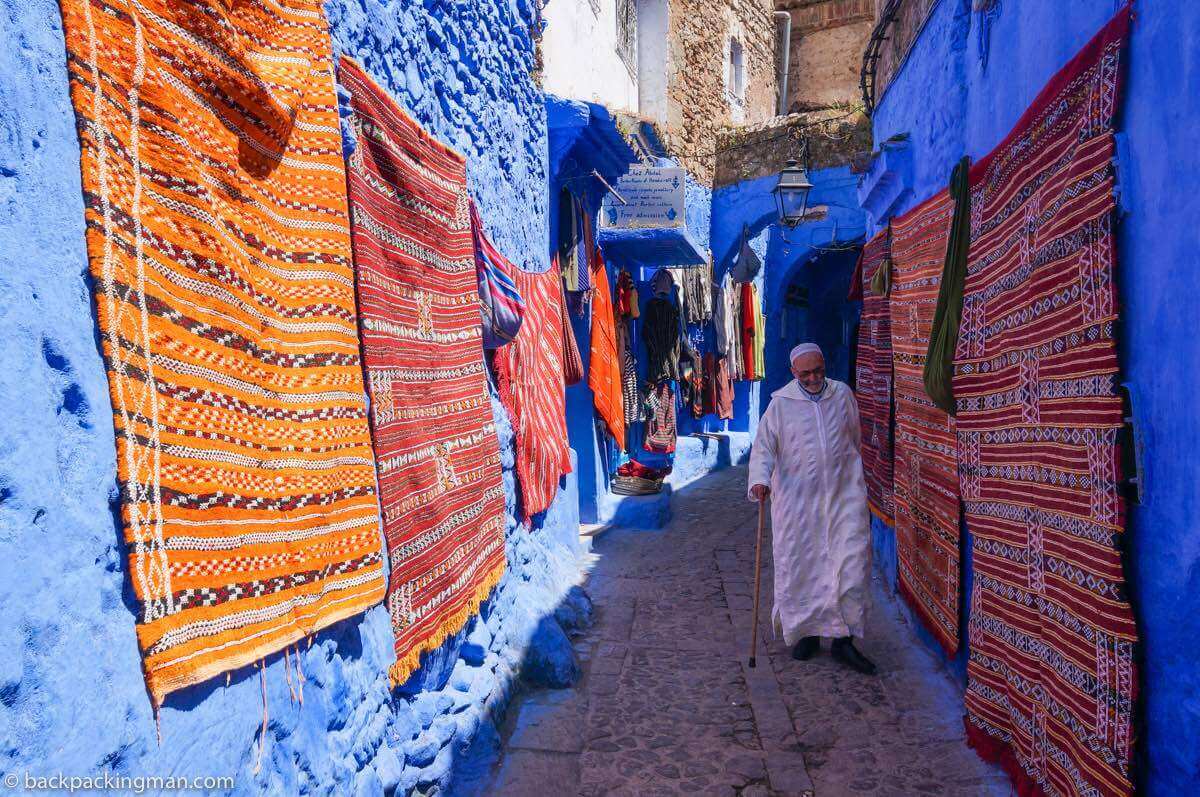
(667,704)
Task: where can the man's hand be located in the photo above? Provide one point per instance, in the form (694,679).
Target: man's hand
(761,492)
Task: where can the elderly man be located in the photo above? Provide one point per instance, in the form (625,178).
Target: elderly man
(806,459)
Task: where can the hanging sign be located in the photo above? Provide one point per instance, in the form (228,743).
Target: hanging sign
(654,197)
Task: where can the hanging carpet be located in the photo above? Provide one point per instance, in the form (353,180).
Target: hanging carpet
(873,381)
(1052,680)
(926,467)
(218,239)
(437,456)
(529,377)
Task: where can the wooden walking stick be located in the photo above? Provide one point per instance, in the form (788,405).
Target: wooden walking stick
(762,506)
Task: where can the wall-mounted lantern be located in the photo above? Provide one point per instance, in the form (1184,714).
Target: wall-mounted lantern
(792,190)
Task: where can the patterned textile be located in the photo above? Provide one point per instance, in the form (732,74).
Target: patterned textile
(529,378)
(660,426)
(631,393)
(218,238)
(873,381)
(925,468)
(604,363)
(431,418)
(1052,677)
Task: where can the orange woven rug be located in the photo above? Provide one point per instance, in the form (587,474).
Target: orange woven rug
(431,415)
(926,475)
(218,237)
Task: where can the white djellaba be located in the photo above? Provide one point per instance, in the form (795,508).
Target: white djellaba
(807,452)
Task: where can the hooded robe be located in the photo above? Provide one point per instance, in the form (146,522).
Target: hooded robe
(808,453)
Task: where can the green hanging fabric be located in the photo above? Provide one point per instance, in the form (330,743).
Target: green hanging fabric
(943,338)
(881,283)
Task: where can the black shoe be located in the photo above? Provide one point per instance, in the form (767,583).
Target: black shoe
(806,648)
(843,651)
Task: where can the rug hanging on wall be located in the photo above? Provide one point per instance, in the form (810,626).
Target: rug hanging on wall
(529,377)
(218,238)
(437,455)
(604,360)
(926,466)
(1052,680)
(873,381)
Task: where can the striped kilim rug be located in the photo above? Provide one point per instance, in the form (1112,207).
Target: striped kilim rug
(1052,680)
(529,377)
(431,418)
(926,466)
(217,234)
(873,383)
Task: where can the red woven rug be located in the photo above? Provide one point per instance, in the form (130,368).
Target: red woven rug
(529,376)
(926,465)
(435,439)
(1052,681)
(873,383)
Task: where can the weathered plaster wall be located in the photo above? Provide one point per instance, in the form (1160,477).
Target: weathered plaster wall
(577,26)
(72,698)
(950,104)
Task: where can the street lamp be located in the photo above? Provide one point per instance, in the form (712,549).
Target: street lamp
(791,192)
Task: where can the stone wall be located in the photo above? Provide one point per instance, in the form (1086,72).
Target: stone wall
(72,696)
(699,34)
(828,38)
(835,137)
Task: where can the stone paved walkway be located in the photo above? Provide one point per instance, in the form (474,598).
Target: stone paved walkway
(668,706)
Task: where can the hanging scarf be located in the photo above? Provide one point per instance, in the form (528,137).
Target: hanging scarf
(660,428)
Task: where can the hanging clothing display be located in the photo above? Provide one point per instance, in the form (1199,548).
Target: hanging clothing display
(747,325)
(660,333)
(806,451)
(1052,680)
(571,257)
(760,337)
(662,283)
(695,292)
(571,358)
(529,379)
(733,307)
(747,264)
(660,423)
(604,362)
(631,392)
(943,337)
(722,317)
(873,382)
(219,244)
(926,468)
(437,456)
(627,297)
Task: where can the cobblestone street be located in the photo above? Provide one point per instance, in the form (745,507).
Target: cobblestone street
(667,704)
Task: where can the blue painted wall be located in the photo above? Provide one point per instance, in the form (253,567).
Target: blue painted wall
(950,104)
(818,253)
(72,698)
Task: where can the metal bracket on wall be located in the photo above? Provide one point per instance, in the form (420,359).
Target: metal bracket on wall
(871,56)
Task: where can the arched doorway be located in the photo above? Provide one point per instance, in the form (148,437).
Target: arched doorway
(811,304)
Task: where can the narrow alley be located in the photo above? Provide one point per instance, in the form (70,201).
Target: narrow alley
(667,704)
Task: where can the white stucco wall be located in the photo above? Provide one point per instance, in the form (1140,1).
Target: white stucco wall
(580,56)
(653,49)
